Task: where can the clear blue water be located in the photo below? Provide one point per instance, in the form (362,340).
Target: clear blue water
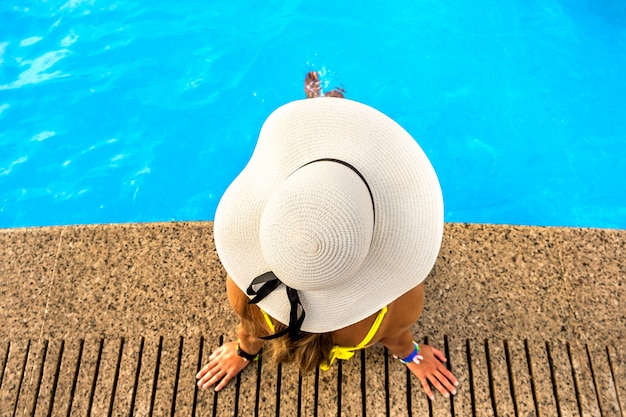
(139,111)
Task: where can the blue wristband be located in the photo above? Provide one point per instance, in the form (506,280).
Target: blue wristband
(413,356)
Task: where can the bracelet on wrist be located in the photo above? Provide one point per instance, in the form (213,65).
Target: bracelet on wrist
(247,356)
(413,357)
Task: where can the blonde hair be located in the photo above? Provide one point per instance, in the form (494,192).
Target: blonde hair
(307,352)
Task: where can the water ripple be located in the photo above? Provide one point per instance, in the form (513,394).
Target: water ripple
(30,41)
(40,137)
(36,72)
(69,40)
(7,171)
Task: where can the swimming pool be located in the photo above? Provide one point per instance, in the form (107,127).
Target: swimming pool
(127,112)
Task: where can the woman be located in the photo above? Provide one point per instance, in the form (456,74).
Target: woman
(327,236)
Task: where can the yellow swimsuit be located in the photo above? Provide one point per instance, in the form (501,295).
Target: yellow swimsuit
(343,352)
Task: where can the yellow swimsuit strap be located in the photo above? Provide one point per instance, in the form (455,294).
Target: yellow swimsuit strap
(346,352)
(268,320)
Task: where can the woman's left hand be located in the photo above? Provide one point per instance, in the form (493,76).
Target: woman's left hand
(224,364)
(432,370)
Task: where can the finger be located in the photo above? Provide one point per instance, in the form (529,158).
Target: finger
(214,379)
(205,380)
(202,371)
(446,380)
(439,355)
(225,380)
(208,367)
(216,352)
(434,379)
(208,377)
(426,388)
(449,376)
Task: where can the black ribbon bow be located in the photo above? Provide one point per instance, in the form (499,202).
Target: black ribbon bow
(269,282)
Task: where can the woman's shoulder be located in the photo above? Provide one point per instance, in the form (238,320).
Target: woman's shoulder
(401,314)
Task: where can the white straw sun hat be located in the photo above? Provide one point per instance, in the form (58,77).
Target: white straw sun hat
(339,205)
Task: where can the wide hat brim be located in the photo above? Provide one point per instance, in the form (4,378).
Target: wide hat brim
(407,198)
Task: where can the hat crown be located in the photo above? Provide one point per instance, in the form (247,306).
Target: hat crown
(317,226)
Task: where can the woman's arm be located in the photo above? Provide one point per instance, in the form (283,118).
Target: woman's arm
(398,338)
(239,302)
(224,363)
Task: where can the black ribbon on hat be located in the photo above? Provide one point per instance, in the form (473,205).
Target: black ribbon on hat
(356,171)
(269,282)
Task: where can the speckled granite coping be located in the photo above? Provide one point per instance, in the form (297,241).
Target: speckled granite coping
(498,297)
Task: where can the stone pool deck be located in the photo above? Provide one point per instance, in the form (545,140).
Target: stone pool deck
(115,320)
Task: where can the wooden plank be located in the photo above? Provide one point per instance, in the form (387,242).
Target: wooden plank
(13,376)
(328,394)
(483,404)
(189,366)
(462,401)
(88,372)
(289,391)
(308,392)
(68,377)
(521,378)
(146,387)
(499,375)
(563,379)
(584,381)
(128,376)
(375,401)
(248,381)
(107,377)
(540,370)
(617,361)
(166,381)
(32,378)
(397,382)
(50,378)
(602,375)
(206,398)
(351,393)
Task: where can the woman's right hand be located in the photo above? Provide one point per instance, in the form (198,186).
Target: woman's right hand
(224,364)
(432,370)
